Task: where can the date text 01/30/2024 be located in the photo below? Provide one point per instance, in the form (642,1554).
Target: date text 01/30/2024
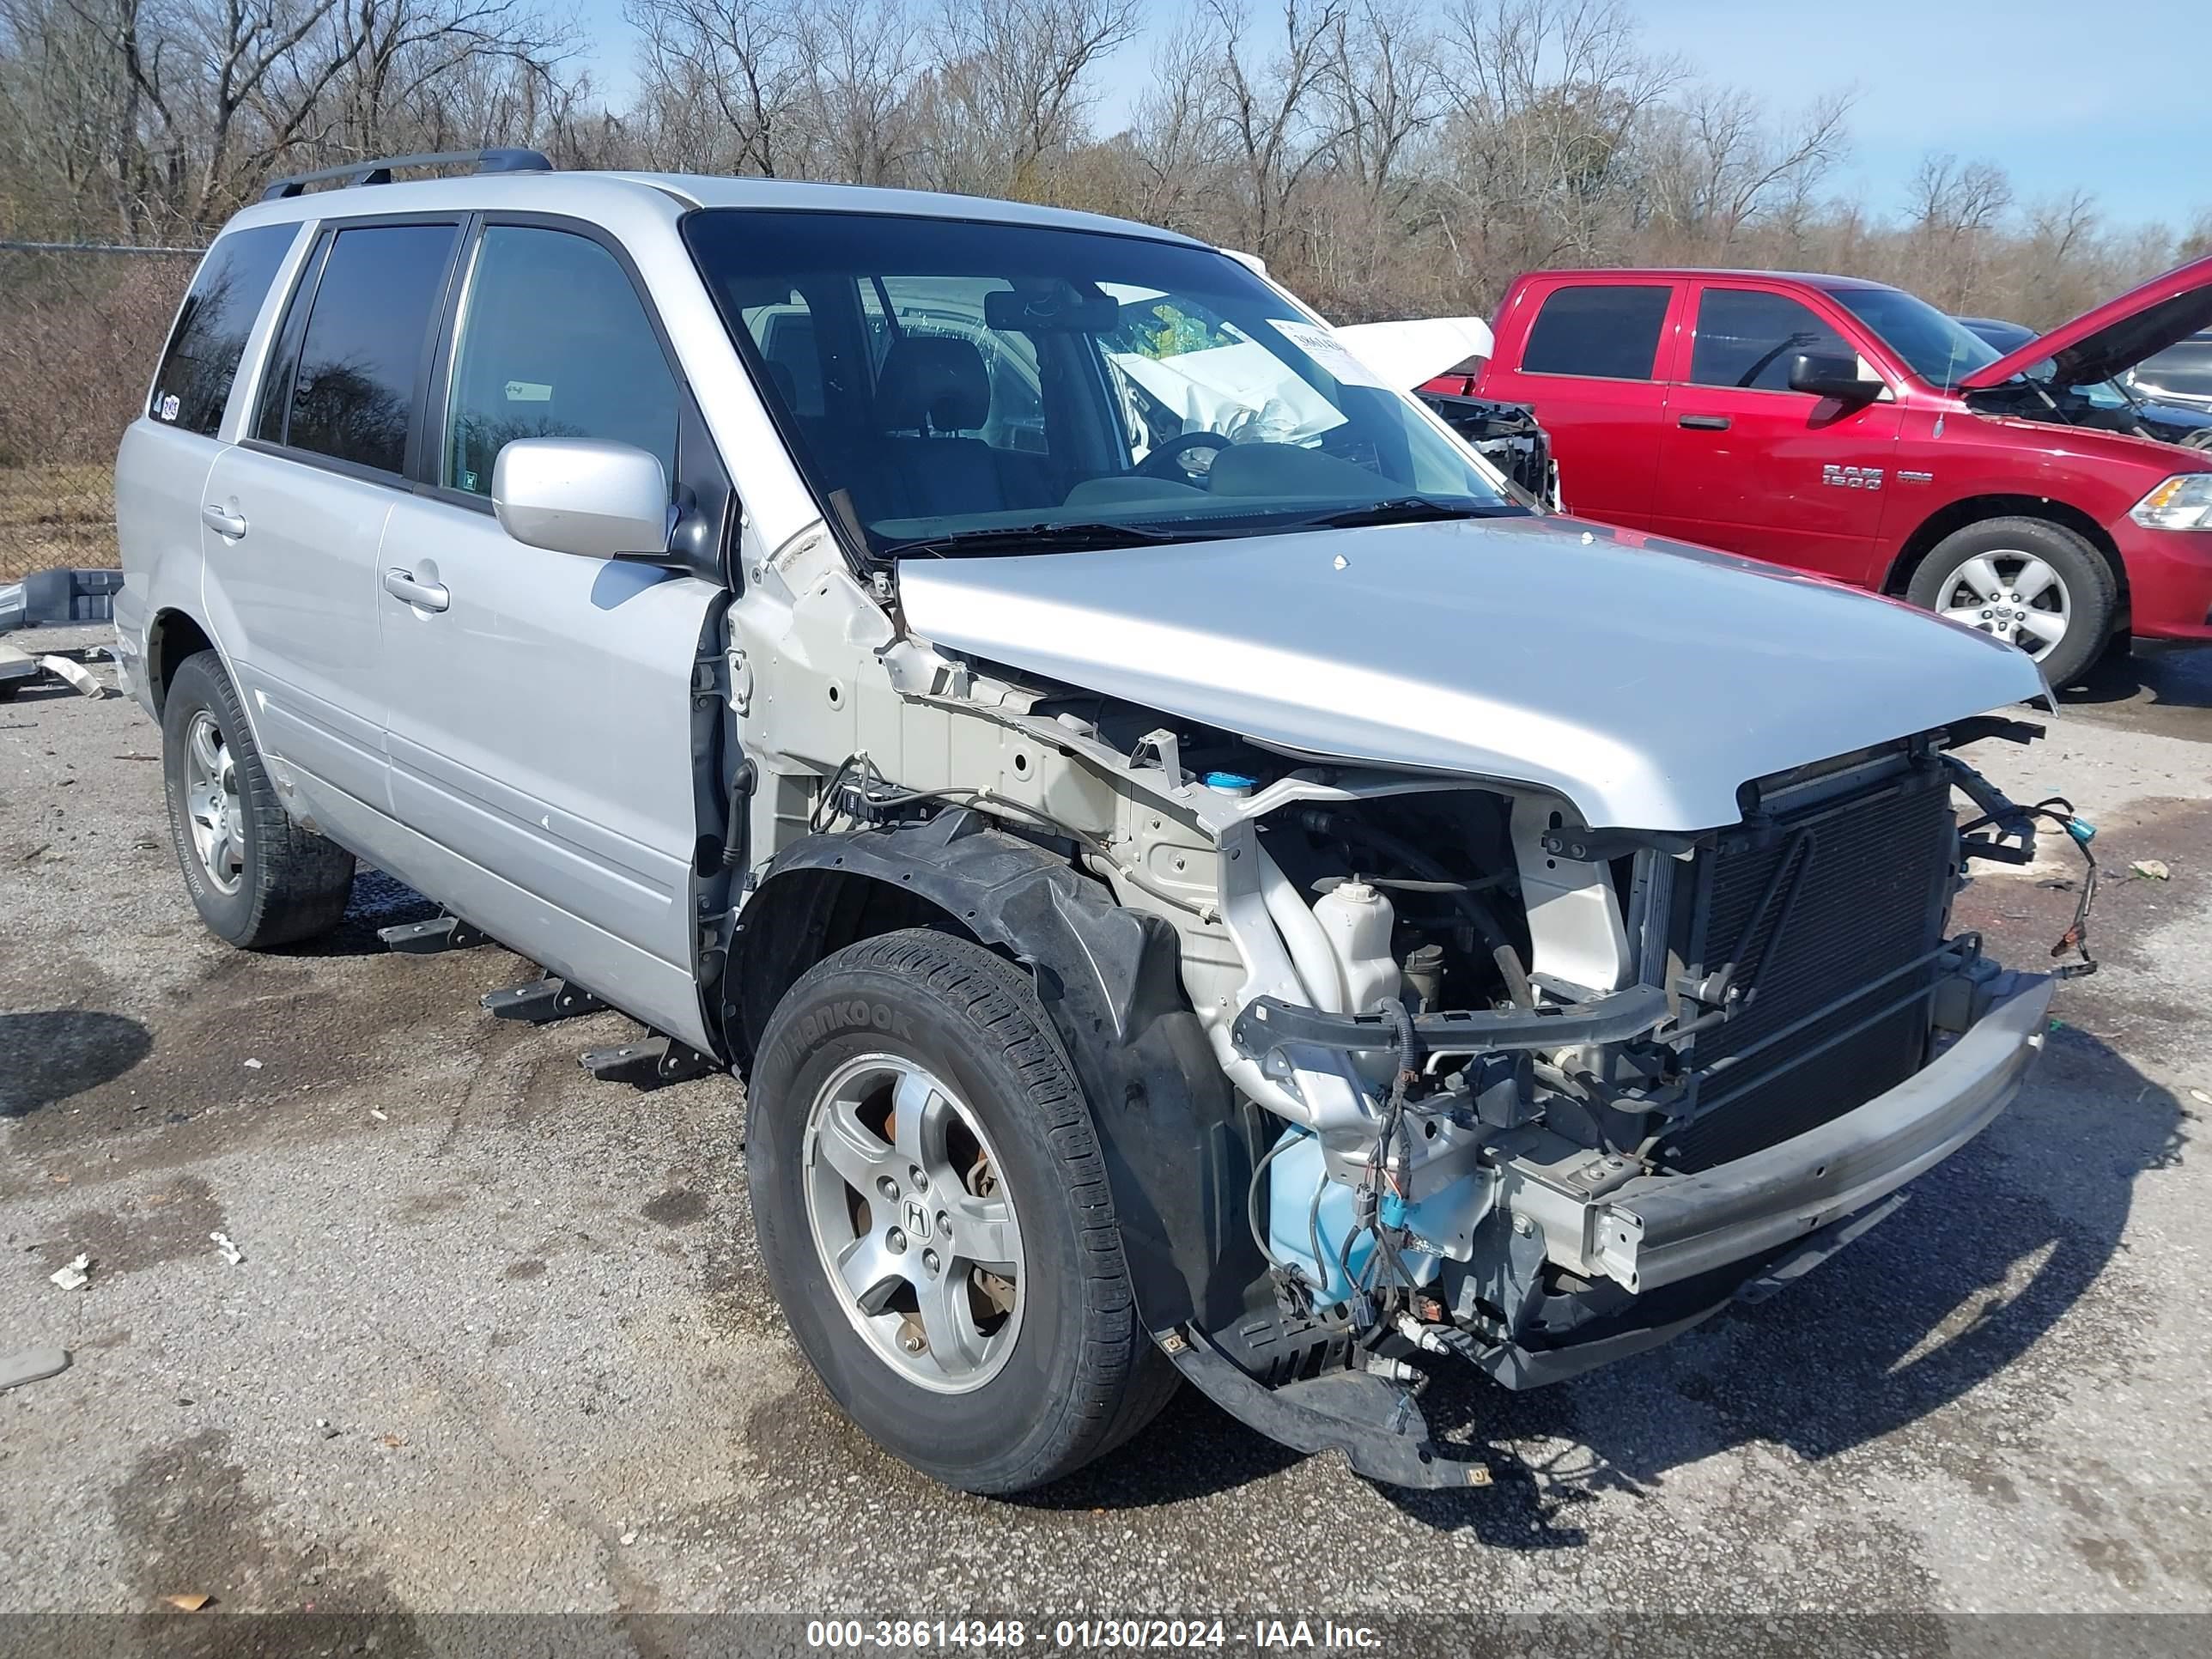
(1266,1635)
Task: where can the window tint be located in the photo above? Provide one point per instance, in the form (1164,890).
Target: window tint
(1748,339)
(1608,330)
(353,396)
(554,344)
(201,361)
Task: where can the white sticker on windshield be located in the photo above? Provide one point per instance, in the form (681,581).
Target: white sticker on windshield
(529,392)
(1325,348)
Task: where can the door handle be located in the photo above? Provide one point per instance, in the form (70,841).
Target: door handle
(1703,422)
(222,523)
(423,596)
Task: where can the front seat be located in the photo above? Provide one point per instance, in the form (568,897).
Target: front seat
(932,388)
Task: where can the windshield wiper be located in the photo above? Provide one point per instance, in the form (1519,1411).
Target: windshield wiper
(1401,509)
(1041,538)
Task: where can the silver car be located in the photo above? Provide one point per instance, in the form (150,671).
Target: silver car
(1203,878)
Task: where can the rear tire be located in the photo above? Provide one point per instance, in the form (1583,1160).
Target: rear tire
(256,876)
(1057,1369)
(1974,574)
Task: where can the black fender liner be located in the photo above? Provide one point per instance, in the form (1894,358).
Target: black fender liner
(1178,1143)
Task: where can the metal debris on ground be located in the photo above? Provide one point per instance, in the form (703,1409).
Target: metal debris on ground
(231,1253)
(2150,869)
(63,669)
(191,1603)
(74,1277)
(252,1065)
(32,1365)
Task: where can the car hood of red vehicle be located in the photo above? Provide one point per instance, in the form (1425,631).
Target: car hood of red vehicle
(2117,334)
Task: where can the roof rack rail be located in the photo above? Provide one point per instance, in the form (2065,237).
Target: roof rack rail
(380,172)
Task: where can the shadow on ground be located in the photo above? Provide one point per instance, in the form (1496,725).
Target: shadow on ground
(50,1055)
(2160,676)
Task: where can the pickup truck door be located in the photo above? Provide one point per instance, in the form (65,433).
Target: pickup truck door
(1749,465)
(1587,358)
(540,704)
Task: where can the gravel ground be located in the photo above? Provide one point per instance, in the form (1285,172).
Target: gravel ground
(499,1341)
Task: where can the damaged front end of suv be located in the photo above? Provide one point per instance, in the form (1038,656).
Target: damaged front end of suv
(1448,984)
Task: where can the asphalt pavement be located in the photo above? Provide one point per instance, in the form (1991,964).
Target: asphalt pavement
(498,1339)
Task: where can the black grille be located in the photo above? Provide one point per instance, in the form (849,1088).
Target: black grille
(1863,882)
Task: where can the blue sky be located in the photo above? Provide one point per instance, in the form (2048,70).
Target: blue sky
(2061,93)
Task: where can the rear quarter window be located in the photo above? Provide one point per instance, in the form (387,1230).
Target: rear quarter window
(201,358)
(1600,331)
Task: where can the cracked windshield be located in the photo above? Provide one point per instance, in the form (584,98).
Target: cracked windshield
(998,388)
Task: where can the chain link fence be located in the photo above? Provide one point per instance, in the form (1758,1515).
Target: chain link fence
(81,325)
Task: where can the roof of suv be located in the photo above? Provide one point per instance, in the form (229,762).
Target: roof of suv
(555,190)
(1675,273)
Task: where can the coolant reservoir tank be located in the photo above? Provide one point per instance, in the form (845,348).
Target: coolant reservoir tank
(1357,919)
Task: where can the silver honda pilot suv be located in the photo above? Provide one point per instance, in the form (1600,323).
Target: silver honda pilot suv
(1201,878)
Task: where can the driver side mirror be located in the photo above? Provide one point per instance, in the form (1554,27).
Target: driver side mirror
(583,495)
(1827,375)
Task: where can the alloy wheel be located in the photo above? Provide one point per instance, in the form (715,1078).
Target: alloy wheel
(2019,598)
(212,804)
(916,1231)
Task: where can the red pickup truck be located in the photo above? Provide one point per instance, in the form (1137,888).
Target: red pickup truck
(1849,429)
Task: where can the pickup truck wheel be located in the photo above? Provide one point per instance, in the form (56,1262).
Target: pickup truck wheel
(934,1216)
(2035,584)
(256,877)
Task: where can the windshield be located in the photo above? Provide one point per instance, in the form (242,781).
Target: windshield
(1933,346)
(951,386)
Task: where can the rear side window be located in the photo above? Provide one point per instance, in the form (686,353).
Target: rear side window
(362,353)
(203,356)
(1607,330)
(1748,339)
(555,343)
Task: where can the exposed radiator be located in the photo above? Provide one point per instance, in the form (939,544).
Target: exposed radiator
(1864,881)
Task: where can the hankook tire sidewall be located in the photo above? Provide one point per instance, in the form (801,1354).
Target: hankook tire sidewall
(810,1036)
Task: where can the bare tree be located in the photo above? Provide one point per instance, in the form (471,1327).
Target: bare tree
(747,56)
(1279,126)
(1955,210)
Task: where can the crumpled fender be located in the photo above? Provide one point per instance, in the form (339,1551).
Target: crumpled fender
(1178,1145)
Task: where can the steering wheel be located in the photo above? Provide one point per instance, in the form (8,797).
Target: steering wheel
(1166,461)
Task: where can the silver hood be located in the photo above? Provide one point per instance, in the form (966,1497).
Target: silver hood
(1644,680)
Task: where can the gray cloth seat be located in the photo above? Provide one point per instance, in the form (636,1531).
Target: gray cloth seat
(936,387)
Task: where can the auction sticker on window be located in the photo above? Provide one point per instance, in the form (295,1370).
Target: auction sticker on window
(1325,348)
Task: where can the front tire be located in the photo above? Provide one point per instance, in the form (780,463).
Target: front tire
(256,876)
(2028,581)
(934,1212)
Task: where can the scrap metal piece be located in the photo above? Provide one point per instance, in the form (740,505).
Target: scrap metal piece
(32,1365)
(76,674)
